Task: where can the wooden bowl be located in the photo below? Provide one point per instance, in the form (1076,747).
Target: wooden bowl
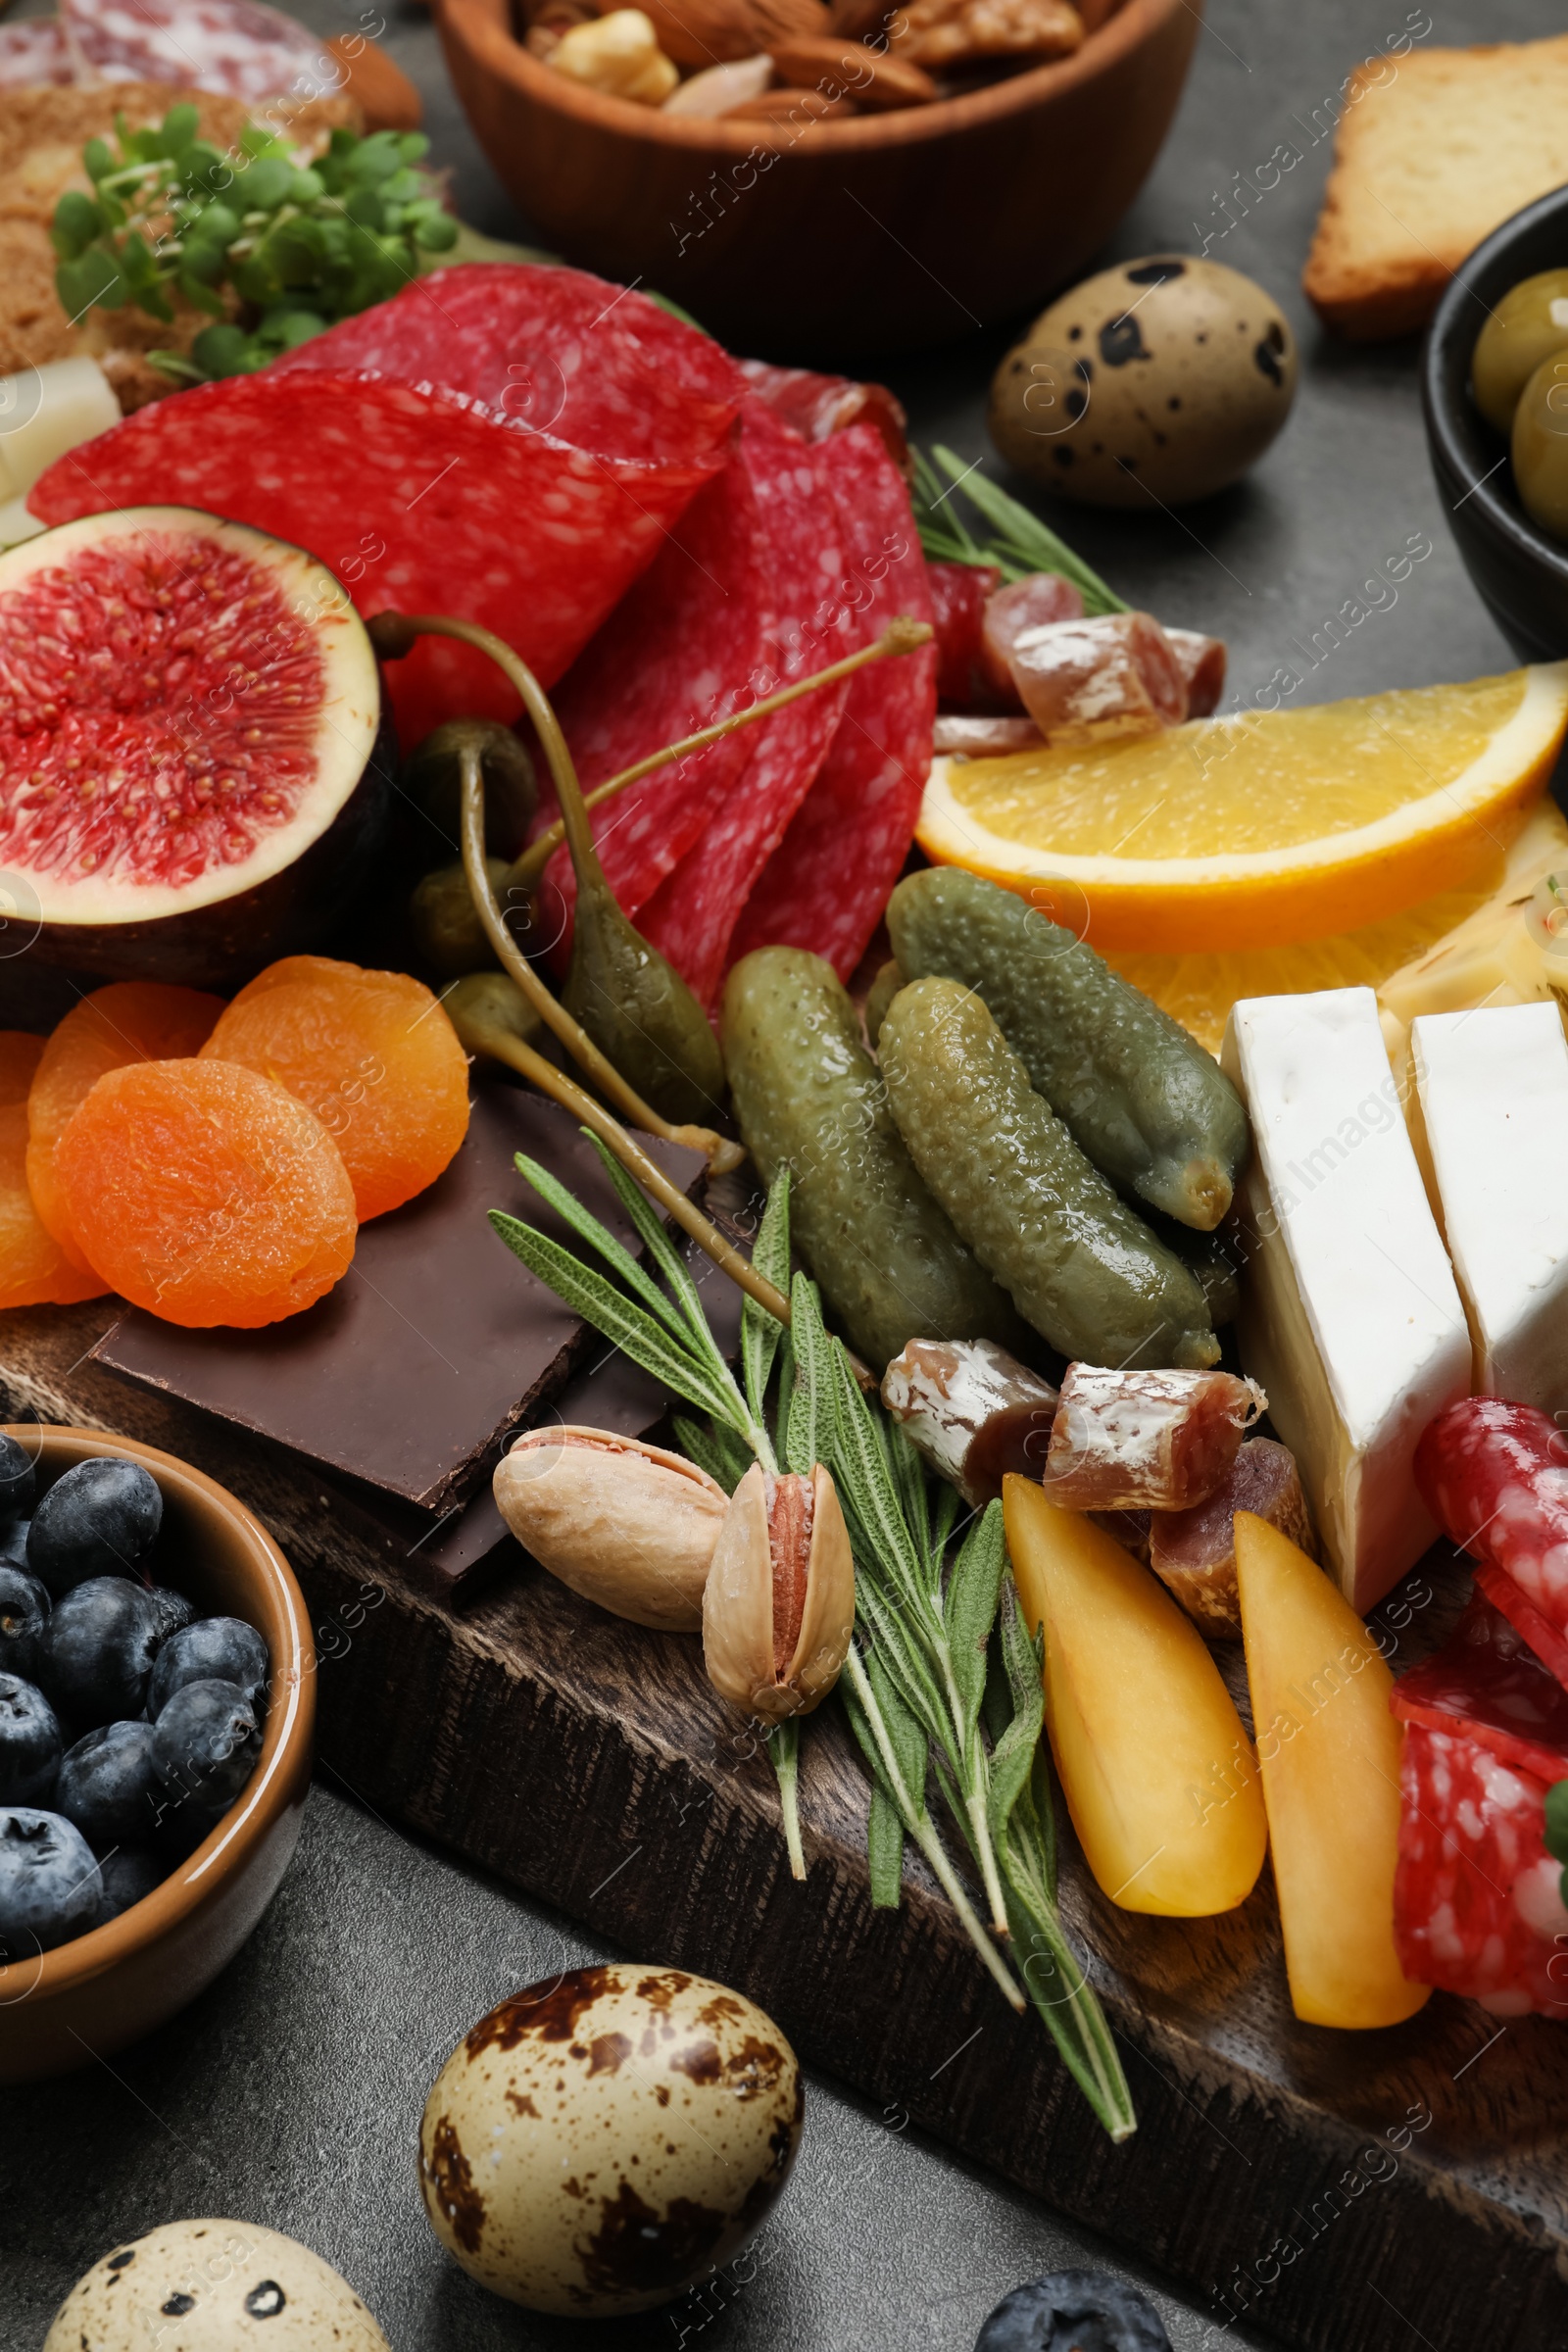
(89,1997)
(872,235)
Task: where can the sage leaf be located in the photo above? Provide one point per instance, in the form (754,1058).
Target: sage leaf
(884,1851)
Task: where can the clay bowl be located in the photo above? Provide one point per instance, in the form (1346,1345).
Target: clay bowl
(1520,573)
(87,1999)
(845,239)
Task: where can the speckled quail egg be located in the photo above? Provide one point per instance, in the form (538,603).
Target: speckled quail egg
(604,2139)
(1161,380)
(212,2287)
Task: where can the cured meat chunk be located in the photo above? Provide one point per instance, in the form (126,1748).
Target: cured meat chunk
(1201,662)
(34,51)
(1146,1441)
(504,444)
(1194,1552)
(1478,1906)
(1089,682)
(1032,603)
(959,593)
(816,405)
(692,916)
(825,885)
(1494,1476)
(232,45)
(1488,1684)
(974,738)
(972,1411)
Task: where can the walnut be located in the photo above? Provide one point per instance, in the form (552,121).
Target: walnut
(942,34)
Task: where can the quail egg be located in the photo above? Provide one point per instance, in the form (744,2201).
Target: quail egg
(1156,383)
(604,2139)
(212,2287)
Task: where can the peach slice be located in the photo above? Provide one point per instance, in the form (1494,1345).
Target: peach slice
(1159,1775)
(1329,1752)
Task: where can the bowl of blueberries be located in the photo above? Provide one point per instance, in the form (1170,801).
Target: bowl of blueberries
(157,1703)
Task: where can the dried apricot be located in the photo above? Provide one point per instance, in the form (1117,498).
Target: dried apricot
(205,1194)
(34,1271)
(18,1058)
(130,1020)
(373,1055)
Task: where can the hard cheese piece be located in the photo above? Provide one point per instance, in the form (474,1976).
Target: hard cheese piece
(1349,1314)
(1492,1088)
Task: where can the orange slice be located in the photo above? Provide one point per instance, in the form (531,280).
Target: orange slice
(1262,829)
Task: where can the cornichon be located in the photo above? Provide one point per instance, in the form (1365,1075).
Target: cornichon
(884,988)
(1139,1095)
(1082,1267)
(809,1097)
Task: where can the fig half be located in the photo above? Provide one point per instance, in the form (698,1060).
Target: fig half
(196,760)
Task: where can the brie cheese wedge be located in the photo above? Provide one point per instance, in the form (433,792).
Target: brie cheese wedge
(1492,1089)
(1350,1317)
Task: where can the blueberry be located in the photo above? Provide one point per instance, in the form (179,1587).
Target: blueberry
(175,1612)
(17,1481)
(206,1745)
(223,1649)
(23,1614)
(101,1519)
(128,1874)
(109,1785)
(1074,2311)
(14,1542)
(49,1885)
(98,1650)
(29,1743)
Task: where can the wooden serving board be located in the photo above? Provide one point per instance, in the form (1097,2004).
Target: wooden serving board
(1347,2192)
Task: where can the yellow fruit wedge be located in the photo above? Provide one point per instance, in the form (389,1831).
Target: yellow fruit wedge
(1329,1753)
(1262,829)
(1158,1773)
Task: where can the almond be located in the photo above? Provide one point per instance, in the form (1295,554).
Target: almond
(834,67)
(791,106)
(706,32)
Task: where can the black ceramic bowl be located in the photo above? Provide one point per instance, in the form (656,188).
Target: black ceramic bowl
(1521,573)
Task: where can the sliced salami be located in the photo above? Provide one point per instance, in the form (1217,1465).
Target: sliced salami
(1476,1899)
(421,495)
(692,916)
(34,52)
(1494,1476)
(1487,1683)
(236,46)
(815,406)
(959,593)
(827,882)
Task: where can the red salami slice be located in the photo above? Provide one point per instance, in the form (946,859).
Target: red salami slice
(815,406)
(827,884)
(34,52)
(232,45)
(678,652)
(692,916)
(426,496)
(1476,1899)
(1494,1476)
(1487,1683)
(959,593)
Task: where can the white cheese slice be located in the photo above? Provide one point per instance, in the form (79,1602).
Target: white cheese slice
(1492,1090)
(46,411)
(1350,1315)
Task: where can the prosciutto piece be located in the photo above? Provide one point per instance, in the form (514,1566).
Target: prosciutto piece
(1145,1440)
(972,1411)
(1094,680)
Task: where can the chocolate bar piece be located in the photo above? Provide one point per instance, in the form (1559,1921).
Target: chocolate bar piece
(436,1344)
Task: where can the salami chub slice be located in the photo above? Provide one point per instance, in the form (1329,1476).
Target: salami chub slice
(425,487)
(232,45)
(1494,1476)
(1487,1683)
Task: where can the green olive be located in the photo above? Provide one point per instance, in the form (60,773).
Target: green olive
(1528,323)
(1541,446)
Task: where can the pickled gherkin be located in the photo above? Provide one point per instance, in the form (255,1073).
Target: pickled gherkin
(809,1097)
(1139,1095)
(1081,1266)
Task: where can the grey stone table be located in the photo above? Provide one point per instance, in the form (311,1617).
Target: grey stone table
(291,2094)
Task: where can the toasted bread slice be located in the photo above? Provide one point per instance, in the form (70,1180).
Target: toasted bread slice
(1435,149)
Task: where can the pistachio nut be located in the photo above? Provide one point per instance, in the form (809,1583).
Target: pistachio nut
(779,1606)
(624,1524)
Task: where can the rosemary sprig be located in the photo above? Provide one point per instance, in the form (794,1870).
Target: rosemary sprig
(1021,543)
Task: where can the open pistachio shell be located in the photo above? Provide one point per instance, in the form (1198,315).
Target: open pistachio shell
(624,1524)
(745,1578)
